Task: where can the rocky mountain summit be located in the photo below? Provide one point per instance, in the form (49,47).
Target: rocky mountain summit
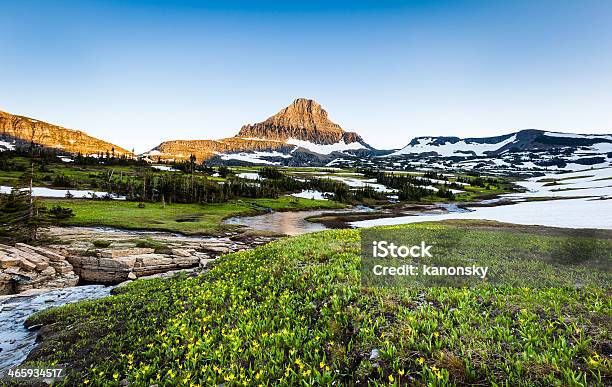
(299,134)
(18,131)
(305,120)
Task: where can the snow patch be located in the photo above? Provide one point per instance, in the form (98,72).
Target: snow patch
(326,149)
(311,194)
(249,175)
(254,157)
(61,193)
(164,168)
(574,135)
(7,145)
(572,213)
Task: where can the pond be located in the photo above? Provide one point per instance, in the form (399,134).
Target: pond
(286,222)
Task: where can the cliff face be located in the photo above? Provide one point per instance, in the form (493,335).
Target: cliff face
(303,120)
(24,130)
(205,149)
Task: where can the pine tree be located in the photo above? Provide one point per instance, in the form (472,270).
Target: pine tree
(22,217)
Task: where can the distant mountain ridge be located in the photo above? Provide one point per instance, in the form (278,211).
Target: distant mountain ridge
(20,131)
(302,134)
(523,140)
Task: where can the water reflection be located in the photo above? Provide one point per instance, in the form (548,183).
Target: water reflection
(288,223)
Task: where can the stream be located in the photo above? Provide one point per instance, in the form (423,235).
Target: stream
(290,222)
(16,341)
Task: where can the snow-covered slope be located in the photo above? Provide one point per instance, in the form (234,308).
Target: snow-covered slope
(524,152)
(255,157)
(326,149)
(453,146)
(580,136)
(524,140)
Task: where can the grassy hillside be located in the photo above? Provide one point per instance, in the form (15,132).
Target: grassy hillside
(184,218)
(294,311)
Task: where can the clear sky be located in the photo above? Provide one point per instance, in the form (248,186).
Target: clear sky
(140,73)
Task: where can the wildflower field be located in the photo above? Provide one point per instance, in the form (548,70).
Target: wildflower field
(294,312)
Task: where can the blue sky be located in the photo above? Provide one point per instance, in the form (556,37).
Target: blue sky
(142,72)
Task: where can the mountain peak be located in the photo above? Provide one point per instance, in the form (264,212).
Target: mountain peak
(305,119)
(303,107)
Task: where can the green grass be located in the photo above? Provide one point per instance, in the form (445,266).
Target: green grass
(552,180)
(292,203)
(184,218)
(101,244)
(470,194)
(294,312)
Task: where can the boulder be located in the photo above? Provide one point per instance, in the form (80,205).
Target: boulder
(216,249)
(50,271)
(8,261)
(152,260)
(123,263)
(103,276)
(53,256)
(27,265)
(182,252)
(12,271)
(25,253)
(6,284)
(126,252)
(24,268)
(186,261)
(61,267)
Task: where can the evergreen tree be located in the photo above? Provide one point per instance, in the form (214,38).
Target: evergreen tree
(22,217)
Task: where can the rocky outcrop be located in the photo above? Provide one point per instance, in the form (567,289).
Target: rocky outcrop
(76,260)
(123,260)
(24,267)
(21,131)
(114,266)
